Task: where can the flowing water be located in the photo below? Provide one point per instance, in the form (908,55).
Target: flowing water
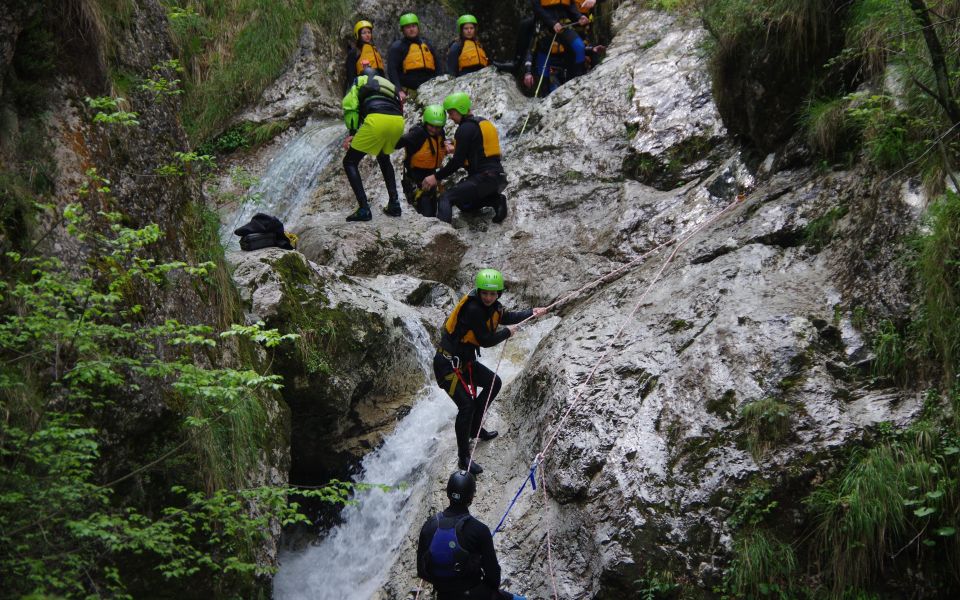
(291,177)
(354,559)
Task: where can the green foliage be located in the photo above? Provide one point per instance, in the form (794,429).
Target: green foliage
(232,51)
(243,135)
(159,83)
(891,354)
(656,585)
(898,497)
(766,422)
(828,127)
(753,508)
(72,345)
(109,111)
(818,232)
(762,567)
(938,269)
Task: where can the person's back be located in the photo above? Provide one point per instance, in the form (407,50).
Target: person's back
(455,550)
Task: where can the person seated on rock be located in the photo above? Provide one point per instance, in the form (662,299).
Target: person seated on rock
(473,324)
(362,54)
(411,60)
(554,15)
(374,118)
(466,55)
(455,550)
(426,148)
(477,149)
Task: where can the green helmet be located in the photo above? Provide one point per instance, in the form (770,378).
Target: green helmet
(465,19)
(457,101)
(434,115)
(408,19)
(490,279)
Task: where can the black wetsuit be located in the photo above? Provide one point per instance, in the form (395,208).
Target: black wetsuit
(475,538)
(412,141)
(477,318)
(485,180)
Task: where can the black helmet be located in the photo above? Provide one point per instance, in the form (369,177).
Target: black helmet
(461,487)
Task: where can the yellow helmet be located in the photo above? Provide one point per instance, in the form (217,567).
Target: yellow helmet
(360,25)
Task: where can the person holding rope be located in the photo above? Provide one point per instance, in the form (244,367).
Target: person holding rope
(455,551)
(554,15)
(425,147)
(477,149)
(473,324)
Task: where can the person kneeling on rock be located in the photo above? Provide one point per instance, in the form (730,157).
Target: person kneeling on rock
(426,148)
(478,151)
(455,551)
(474,323)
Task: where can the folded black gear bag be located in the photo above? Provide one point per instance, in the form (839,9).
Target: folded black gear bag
(262,231)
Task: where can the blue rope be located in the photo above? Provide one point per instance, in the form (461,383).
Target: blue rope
(532,480)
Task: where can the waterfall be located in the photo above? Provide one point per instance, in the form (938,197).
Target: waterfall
(354,559)
(291,176)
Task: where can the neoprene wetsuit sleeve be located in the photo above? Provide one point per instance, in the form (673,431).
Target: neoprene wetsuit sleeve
(488,560)
(423,546)
(349,68)
(453,58)
(394,60)
(463,139)
(543,14)
(515,316)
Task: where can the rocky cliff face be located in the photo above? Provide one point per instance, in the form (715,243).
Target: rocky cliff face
(755,308)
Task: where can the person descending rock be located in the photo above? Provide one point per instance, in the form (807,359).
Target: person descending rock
(411,60)
(455,550)
(374,117)
(362,54)
(425,147)
(466,55)
(474,323)
(553,15)
(477,149)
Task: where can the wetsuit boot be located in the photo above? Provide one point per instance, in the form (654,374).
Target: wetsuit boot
(475,468)
(351,165)
(392,208)
(500,209)
(486,436)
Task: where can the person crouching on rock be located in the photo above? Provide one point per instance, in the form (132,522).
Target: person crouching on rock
(426,148)
(474,324)
(478,151)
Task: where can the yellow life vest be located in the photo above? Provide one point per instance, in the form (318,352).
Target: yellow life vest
(584,11)
(549,3)
(472,55)
(419,59)
(430,154)
(469,338)
(369,53)
(489,136)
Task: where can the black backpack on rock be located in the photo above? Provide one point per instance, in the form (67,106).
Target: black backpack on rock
(263,231)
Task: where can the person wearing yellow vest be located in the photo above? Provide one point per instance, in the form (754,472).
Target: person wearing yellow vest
(477,149)
(374,119)
(466,55)
(473,324)
(362,54)
(426,146)
(411,60)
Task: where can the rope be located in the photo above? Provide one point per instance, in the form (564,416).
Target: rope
(532,480)
(550,569)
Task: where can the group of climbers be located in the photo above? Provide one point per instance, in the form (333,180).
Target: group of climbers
(455,551)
